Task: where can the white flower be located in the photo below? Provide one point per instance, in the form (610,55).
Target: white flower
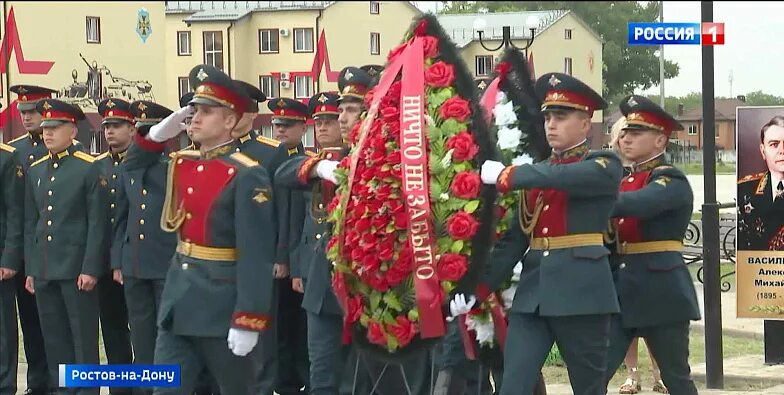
(509,138)
(518,269)
(500,97)
(443,197)
(523,159)
(505,114)
(508,295)
(447,161)
(485,333)
(430,121)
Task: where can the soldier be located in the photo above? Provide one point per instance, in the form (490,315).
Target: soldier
(118,130)
(141,251)
(29,147)
(189,145)
(66,247)
(219,286)
(324,315)
(655,288)
(565,207)
(11,253)
(760,202)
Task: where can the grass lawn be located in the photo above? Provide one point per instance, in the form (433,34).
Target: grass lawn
(725,268)
(697,168)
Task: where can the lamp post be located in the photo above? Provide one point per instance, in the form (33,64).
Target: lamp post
(532,22)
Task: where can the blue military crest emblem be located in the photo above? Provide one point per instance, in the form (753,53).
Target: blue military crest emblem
(143,25)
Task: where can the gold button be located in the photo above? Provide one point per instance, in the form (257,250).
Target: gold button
(116,163)
(114,176)
(144,192)
(51,179)
(318,236)
(35,143)
(179,161)
(546,207)
(50,193)
(622,266)
(143,206)
(546,253)
(200,168)
(49,238)
(190,190)
(31,157)
(329,155)
(49,208)
(55,165)
(49,223)
(237,149)
(631,179)
(184,266)
(188,216)
(141,237)
(321,205)
(545,230)
(231,171)
(141,222)
(111,205)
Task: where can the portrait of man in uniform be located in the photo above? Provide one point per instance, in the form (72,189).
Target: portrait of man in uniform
(760,178)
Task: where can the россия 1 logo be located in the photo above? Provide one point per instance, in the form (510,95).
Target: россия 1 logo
(655,33)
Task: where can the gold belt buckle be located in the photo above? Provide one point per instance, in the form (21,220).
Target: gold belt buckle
(186,248)
(546,243)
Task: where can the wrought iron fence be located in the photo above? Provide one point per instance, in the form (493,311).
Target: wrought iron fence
(692,242)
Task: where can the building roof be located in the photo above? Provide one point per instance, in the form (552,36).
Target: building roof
(218,15)
(460,26)
(725,110)
(236,7)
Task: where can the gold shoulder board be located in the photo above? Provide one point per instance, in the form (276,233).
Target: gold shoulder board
(245,160)
(83,156)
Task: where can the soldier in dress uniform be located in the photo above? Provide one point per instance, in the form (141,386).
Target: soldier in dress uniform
(187,143)
(566,293)
(118,131)
(141,251)
(374,71)
(11,254)
(67,239)
(653,210)
(30,147)
(219,286)
(761,196)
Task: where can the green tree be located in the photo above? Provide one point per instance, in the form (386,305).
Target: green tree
(626,68)
(759,98)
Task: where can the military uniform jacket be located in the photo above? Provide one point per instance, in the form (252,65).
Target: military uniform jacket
(66,217)
(141,249)
(109,164)
(294,173)
(216,202)
(30,147)
(574,193)
(760,219)
(655,204)
(11,209)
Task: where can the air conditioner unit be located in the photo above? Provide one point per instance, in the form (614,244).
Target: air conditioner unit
(284,32)
(285,84)
(284,76)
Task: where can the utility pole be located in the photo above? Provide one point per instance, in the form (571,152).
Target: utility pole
(661,59)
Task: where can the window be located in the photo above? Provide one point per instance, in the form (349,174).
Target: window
(375,7)
(184,85)
(268,85)
(303,40)
(609,130)
(213,49)
(717,130)
(692,130)
(268,40)
(184,43)
(375,43)
(303,87)
(309,139)
(567,34)
(266,131)
(568,66)
(93,30)
(484,65)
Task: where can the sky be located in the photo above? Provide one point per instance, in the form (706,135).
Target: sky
(753,49)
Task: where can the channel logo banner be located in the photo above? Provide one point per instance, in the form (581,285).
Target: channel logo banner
(126,376)
(664,33)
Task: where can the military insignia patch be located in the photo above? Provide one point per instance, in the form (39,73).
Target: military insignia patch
(46,105)
(19,172)
(348,75)
(142,106)
(132,181)
(631,102)
(748,208)
(143,25)
(261,195)
(322,98)
(663,181)
(104,182)
(603,162)
(482,85)
(553,81)
(202,75)
(110,104)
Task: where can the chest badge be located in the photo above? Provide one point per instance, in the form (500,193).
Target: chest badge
(747,208)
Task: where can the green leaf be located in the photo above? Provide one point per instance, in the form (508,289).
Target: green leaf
(471,206)
(451,127)
(413,314)
(460,167)
(444,243)
(392,343)
(388,318)
(392,301)
(363,319)
(375,299)
(457,246)
(438,97)
(435,191)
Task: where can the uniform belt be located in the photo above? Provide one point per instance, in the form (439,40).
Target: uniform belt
(650,246)
(206,253)
(568,241)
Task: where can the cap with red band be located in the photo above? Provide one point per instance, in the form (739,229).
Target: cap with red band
(562,91)
(29,95)
(286,111)
(324,105)
(115,110)
(56,112)
(215,88)
(643,114)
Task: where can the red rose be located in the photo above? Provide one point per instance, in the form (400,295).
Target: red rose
(430,45)
(392,97)
(461,226)
(406,257)
(374,205)
(456,107)
(452,267)
(390,114)
(404,330)
(363,225)
(371,262)
(357,255)
(369,174)
(500,212)
(421,28)
(466,185)
(376,333)
(354,309)
(381,221)
(376,282)
(352,237)
(369,96)
(401,220)
(396,274)
(386,249)
(464,147)
(440,75)
(332,242)
(395,206)
(345,162)
(393,158)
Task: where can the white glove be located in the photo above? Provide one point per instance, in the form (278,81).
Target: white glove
(491,170)
(459,305)
(171,126)
(241,342)
(325,169)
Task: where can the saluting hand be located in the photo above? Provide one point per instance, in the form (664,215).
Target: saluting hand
(85,282)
